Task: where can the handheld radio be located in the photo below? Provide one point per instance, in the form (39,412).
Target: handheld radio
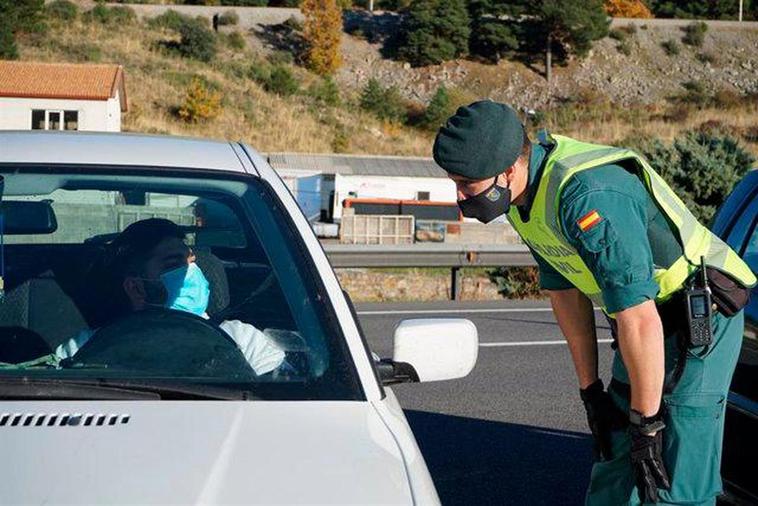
(699,310)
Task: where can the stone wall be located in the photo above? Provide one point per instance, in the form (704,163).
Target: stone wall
(375,285)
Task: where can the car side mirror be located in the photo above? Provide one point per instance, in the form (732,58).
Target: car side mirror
(431,350)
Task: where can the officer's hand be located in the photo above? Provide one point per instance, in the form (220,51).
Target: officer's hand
(649,470)
(603,417)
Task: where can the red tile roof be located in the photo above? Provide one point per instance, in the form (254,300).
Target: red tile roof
(62,80)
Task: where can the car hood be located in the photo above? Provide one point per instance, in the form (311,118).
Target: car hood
(204,452)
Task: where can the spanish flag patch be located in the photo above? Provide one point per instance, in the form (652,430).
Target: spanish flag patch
(589,220)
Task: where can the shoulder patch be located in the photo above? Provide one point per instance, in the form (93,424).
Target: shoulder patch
(589,220)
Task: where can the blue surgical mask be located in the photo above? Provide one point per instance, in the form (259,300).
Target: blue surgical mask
(187,289)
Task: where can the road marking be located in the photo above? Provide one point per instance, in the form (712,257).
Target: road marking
(462,311)
(532,343)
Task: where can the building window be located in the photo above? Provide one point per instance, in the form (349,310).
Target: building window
(38,119)
(71,120)
(54,120)
(422,195)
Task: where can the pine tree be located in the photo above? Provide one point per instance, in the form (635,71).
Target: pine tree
(566,26)
(322,31)
(627,9)
(494,27)
(439,109)
(434,31)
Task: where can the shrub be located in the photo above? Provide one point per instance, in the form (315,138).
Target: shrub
(281,81)
(325,91)
(709,58)
(670,47)
(727,99)
(384,103)
(434,31)
(695,94)
(694,34)
(196,42)
(517,282)
(341,140)
(281,57)
(440,109)
(235,40)
(702,167)
(170,19)
(118,15)
(630,29)
(200,103)
(63,10)
(8,49)
(624,48)
(617,35)
(228,18)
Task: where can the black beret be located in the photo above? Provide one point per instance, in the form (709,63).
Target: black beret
(480,141)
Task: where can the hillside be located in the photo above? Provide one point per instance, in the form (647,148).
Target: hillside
(606,97)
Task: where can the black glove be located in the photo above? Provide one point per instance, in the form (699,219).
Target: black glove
(647,441)
(602,417)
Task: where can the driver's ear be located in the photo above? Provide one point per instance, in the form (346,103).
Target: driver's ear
(135,290)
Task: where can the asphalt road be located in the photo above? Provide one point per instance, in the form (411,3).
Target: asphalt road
(513,431)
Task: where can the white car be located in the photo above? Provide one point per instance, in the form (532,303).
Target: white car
(161,406)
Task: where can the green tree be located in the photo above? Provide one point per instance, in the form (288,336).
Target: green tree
(385,103)
(17,17)
(702,167)
(440,108)
(494,27)
(566,27)
(434,31)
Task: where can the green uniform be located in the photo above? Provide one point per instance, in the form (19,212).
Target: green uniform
(607,216)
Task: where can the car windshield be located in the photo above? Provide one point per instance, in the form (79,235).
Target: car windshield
(184,284)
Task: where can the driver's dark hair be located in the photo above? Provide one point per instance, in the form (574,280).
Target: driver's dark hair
(124,256)
(130,250)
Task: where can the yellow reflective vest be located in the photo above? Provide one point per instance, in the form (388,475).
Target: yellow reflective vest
(544,233)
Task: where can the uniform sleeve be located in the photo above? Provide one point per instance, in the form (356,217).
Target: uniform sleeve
(550,279)
(608,227)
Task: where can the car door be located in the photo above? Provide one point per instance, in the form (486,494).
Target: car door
(737,224)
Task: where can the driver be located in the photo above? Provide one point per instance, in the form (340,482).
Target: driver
(150,265)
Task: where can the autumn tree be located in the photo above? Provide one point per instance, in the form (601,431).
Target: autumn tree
(322,31)
(627,9)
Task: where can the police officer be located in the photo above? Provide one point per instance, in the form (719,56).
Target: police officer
(606,230)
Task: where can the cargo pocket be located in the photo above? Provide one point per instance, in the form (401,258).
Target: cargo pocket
(692,447)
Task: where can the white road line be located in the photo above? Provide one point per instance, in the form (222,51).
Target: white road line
(461,311)
(532,343)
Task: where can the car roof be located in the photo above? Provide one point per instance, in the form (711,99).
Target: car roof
(106,148)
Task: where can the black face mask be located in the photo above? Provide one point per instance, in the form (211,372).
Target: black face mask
(487,205)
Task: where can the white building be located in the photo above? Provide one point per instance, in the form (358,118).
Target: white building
(61,96)
(321,183)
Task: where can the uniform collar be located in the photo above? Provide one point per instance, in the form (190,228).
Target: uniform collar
(536,166)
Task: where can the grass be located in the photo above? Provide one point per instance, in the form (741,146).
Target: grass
(157,82)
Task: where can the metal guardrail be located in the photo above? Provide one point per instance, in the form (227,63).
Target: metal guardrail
(429,255)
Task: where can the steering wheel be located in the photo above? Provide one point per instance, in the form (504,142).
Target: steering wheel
(165,342)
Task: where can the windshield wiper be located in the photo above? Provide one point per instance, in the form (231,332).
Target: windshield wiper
(34,388)
(101,389)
